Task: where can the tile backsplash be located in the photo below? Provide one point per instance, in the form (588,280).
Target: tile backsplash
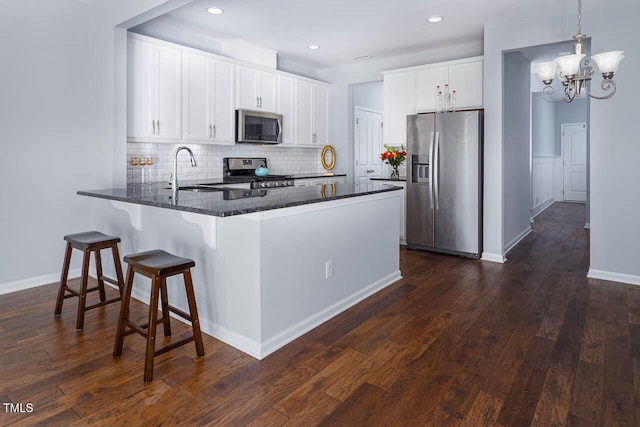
(280,160)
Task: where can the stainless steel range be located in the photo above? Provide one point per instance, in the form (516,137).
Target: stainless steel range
(242,169)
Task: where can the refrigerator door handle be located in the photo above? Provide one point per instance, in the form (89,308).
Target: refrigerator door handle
(431,149)
(436,170)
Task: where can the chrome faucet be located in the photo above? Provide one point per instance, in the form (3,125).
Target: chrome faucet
(174,178)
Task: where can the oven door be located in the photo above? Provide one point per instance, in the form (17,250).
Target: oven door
(258,127)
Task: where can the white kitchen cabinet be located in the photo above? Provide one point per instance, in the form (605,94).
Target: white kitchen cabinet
(208,99)
(403,207)
(256,89)
(287,107)
(413,90)
(321,97)
(312,113)
(466,80)
(427,82)
(399,93)
(154,93)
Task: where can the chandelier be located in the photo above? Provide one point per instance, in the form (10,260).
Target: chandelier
(575,70)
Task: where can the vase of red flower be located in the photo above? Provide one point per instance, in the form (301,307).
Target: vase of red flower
(394,157)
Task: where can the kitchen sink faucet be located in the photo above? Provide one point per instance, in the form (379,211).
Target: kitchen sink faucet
(174,178)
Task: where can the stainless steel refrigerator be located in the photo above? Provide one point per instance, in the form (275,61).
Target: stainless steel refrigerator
(444,182)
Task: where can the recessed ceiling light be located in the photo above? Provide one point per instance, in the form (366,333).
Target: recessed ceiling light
(435,18)
(313,47)
(215,10)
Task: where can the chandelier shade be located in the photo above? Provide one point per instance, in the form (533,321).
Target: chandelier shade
(569,65)
(607,62)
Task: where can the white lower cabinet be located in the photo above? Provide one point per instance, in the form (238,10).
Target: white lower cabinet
(403,207)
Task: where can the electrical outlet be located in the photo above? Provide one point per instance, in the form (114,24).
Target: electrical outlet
(328,269)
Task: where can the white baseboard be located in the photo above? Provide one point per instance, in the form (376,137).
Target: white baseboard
(280,340)
(613,277)
(487,256)
(518,239)
(537,210)
(21,285)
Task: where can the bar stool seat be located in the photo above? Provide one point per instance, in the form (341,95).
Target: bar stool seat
(88,242)
(158,265)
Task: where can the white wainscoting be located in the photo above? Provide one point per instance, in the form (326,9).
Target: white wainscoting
(546,179)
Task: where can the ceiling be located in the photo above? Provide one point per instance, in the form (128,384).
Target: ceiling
(343,29)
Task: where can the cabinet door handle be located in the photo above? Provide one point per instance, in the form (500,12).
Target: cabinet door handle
(260,102)
(153,123)
(210,131)
(158,125)
(214,131)
(257,102)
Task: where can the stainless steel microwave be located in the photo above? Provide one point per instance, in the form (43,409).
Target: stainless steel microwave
(258,127)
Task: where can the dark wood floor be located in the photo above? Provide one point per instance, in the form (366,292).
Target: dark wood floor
(455,342)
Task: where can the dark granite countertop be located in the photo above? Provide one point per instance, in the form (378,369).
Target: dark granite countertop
(229,202)
(238,180)
(402,179)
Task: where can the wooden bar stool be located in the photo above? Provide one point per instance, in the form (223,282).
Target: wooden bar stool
(158,265)
(91,241)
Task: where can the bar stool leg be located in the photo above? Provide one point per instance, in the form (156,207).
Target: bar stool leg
(165,307)
(103,296)
(116,262)
(195,320)
(124,313)
(82,295)
(63,279)
(151,332)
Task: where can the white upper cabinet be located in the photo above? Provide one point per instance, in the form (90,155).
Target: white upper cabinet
(208,95)
(414,90)
(399,94)
(256,89)
(427,82)
(466,80)
(154,91)
(321,98)
(304,112)
(312,113)
(176,93)
(287,107)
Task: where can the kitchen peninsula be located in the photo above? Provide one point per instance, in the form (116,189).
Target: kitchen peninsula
(271,264)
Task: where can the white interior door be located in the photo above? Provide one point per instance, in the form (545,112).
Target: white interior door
(367,132)
(574,153)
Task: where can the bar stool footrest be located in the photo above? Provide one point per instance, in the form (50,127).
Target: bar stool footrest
(174,345)
(102,303)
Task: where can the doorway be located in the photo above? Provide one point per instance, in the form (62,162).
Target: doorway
(574,161)
(367,139)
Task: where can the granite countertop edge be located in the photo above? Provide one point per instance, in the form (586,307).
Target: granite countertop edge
(149,201)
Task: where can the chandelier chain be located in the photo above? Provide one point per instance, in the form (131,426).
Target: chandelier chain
(579,16)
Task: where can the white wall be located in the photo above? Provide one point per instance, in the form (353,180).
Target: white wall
(517,154)
(615,198)
(57,121)
(369,71)
(369,95)
(543,127)
(615,235)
